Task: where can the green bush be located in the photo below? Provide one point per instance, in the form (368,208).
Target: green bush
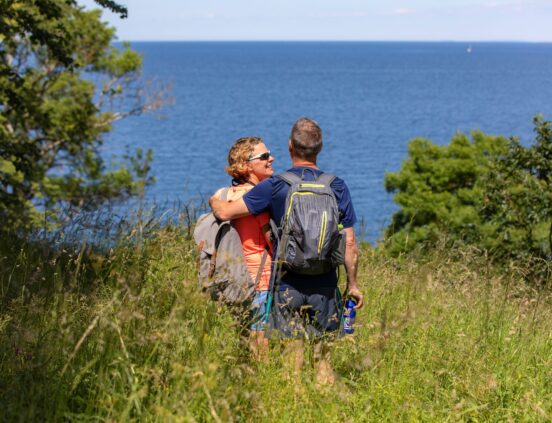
(439,191)
(488,192)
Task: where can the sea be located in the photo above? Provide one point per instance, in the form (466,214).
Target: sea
(370,99)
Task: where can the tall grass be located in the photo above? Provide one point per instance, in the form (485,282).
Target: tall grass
(124,335)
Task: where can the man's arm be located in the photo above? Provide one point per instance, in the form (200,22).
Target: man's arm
(228,210)
(351,260)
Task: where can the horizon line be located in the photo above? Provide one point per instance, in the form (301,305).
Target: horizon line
(327,41)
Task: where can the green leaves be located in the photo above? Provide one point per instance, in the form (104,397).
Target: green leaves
(53,56)
(485,191)
(114,7)
(119,62)
(8,169)
(437,189)
(519,195)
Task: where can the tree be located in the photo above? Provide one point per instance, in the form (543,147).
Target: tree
(439,191)
(492,192)
(518,198)
(62,85)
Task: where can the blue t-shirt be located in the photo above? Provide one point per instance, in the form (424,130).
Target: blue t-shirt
(270,195)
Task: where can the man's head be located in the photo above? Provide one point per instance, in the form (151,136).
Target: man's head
(305,140)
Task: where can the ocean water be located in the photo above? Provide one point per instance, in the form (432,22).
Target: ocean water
(369,98)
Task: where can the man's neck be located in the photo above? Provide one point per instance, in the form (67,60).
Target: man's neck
(303,163)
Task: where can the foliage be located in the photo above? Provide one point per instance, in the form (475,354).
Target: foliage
(439,191)
(518,197)
(125,335)
(492,193)
(114,7)
(62,85)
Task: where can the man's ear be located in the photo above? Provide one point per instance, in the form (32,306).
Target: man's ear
(290,147)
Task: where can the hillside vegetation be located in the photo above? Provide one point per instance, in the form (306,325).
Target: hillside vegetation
(487,192)
(125,335)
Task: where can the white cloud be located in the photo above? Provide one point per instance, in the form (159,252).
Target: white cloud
(352,14)
(402,11)
(517,6)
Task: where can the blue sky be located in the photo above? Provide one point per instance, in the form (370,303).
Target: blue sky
(372,20)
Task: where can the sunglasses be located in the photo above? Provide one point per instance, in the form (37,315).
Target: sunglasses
(262,156)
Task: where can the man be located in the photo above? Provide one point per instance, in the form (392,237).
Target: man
(308,305)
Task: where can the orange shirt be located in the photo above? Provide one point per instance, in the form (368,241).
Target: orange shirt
(254,244)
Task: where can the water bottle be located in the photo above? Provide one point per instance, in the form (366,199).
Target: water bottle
(350,314)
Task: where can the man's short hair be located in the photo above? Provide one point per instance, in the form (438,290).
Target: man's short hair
(306,139)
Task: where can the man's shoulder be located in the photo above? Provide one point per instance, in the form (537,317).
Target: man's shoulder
(338,183)
(280,180)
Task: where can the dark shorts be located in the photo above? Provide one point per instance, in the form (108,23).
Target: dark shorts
(313,312)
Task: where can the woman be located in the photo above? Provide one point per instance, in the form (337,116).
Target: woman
(250,162)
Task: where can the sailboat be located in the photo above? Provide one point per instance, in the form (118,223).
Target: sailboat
(469,49)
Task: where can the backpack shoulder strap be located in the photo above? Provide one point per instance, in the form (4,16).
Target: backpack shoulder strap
(326,178)
(289,178)
(274,229)
(221,229)
(261,268)
(224,194)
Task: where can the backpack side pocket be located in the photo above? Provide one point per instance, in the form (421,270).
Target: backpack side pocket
(338,252)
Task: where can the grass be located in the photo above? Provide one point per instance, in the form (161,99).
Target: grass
(125,335)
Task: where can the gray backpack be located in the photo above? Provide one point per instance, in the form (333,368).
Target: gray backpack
(222,269)
(311,242)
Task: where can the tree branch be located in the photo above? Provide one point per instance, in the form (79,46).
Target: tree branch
(114,7)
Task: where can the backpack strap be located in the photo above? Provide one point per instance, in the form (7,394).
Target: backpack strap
(274,229)
(326,179)
(261,268)
(224,194)
(218,238)
(289,178)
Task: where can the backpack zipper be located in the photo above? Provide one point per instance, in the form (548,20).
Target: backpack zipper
(312,185)
(291,201)
(322,235)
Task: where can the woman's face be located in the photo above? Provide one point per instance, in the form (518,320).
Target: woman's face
(261,167)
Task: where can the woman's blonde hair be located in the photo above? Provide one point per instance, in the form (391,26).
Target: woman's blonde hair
(238,156)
